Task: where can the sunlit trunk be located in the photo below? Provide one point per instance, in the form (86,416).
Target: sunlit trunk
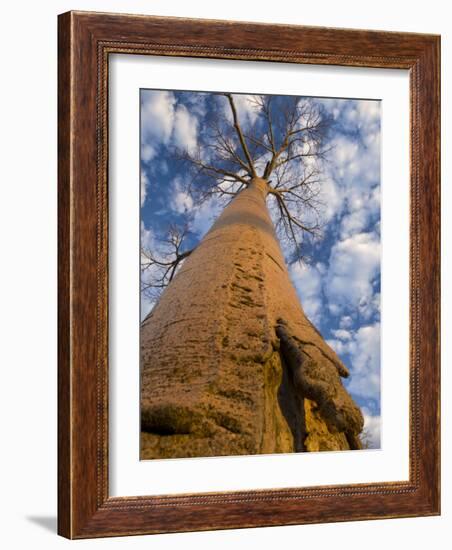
(230,363)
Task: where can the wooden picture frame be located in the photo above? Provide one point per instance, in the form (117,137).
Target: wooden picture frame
(85,42)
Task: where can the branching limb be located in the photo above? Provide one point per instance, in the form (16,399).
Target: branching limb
(158,268)
(284,145)
(241,136)
(291,222)
(210,170)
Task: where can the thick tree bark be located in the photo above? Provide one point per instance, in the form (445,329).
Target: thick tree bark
(230,363)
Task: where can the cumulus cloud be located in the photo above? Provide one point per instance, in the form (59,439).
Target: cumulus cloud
(204,216)
(201,216)
(164,120)
(355,167)
(345,322)
(144,183)
(197,103)
(354,265)
(247,111)
(346,153)
(354,222)
(331,197)
(372,430)
(181,200)
(147,237)
(342,334)
(157,115)
(363,210)
(365,353)
(354,115)
(185,129)
(363,348)
(369,113)
(147,152)
(308,283)
(352,173)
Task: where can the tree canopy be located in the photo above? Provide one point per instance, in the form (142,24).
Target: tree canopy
(284,145)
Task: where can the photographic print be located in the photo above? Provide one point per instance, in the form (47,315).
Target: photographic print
(260,274)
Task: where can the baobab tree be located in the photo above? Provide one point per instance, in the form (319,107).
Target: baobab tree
(230,363)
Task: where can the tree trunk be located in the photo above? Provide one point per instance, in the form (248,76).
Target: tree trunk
(230,363)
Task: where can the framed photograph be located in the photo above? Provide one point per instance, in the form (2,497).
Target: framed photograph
(248,275)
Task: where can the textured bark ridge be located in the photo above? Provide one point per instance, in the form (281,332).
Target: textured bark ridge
(230,363)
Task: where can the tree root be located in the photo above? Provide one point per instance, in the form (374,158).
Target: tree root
(317,379)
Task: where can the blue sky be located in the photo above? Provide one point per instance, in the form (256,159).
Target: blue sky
(339,283)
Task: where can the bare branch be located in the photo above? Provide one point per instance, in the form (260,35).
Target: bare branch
(238,129)
(159,268)
(284,146)
(212,170)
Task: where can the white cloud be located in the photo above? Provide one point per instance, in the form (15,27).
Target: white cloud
(147,237)
(354,164)
(342,334)
(346,322)
(332,198)
(247,111)
(197,104)
(363,348)
(346,153)
(164,120)
(354,222)
(185,129)
(147,153)
(353,167)
(338,345)
(369,112)
(157,115)
(144,183)
(372,429)
(353,265)
(363,208)
(205,215)
(352,115)
(181,201)
(308,283)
